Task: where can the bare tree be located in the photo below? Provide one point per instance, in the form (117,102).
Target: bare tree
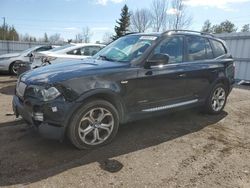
(78,38)
(86,35)
(55,38)
(107,37)
(141,20)
(179,18)
(159,16)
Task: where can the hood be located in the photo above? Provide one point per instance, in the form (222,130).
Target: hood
(69,70)
(9,55)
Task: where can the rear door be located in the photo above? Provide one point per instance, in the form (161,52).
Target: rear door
(201,66)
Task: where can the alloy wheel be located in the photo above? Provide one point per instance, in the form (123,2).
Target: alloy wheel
(96,126)
(218,99)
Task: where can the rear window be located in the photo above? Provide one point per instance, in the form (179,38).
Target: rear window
(219,48)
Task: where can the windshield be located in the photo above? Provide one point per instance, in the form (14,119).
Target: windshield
(126,49)
(61,47)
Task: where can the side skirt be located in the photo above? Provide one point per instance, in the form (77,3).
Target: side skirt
(170,106)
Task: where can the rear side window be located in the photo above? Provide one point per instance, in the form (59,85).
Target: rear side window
(219,48)
(196,47)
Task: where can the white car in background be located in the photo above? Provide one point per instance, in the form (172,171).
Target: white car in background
(9,62)
(68,52)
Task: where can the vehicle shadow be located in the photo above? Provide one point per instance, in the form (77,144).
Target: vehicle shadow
(26,157)
(8,90)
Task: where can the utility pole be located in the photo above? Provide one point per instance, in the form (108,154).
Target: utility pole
(3,28)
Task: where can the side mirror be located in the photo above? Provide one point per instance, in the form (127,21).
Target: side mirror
(157,59)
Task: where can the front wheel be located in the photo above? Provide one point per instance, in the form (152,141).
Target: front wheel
(217,99)
(13,68)
(94,124)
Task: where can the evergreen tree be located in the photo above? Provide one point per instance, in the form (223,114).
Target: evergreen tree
(123,23)
(46,38)
(8,33)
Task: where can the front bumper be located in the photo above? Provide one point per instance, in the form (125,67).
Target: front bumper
(52,126)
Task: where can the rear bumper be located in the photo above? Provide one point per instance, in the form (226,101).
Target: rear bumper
(49,129)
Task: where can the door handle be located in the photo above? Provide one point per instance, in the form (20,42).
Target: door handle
(182,75)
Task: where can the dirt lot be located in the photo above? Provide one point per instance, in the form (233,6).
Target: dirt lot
(184,149)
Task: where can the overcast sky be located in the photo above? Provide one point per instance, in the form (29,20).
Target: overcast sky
(68,17)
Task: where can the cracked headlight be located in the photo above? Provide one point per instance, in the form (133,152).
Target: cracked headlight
(46,94)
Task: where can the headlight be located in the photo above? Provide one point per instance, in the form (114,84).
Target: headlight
(46,94)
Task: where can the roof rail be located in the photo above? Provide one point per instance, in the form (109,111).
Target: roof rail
(188,31)
(131,33)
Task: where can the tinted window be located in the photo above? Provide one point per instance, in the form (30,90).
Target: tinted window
(75,52)
(196,48)
(90,50)
(219,49)
(173,47)
(209,50)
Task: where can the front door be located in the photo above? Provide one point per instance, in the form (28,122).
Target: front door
(162,85)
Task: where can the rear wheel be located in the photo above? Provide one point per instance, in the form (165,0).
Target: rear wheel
(93,125)
(217,99)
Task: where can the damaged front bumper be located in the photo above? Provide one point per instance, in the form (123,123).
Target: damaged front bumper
(48,118)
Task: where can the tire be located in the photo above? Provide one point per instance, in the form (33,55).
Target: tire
(95,115)
(12,68)
(217,99)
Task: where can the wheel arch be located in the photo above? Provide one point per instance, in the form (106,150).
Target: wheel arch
(104,94)
(224,81)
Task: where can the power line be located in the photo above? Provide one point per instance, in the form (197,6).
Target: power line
(3,28)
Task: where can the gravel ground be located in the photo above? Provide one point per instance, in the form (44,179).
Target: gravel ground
(184,149)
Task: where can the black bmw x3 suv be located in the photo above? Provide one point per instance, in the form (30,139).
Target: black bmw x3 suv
(136,76)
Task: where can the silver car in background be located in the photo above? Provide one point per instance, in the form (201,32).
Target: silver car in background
(70,51)
(9,62)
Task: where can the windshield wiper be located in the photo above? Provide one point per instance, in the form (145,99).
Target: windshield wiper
(105,58)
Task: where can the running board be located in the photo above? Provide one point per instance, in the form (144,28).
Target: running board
(170,106)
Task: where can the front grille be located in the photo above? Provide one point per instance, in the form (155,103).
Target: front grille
(20,89)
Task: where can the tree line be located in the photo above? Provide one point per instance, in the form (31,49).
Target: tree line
(224,27)
(165,15)
(8,33)
(161,16)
